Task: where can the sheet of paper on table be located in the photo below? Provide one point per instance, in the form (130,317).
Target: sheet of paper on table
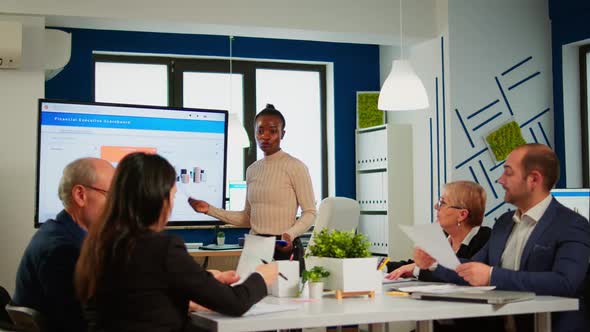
(445,288)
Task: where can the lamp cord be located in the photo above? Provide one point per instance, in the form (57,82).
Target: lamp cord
(401,32)
(231,76)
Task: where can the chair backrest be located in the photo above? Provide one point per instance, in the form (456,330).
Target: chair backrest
(339,213)
(5,321)
(26,319)
(4,300)
(586,293)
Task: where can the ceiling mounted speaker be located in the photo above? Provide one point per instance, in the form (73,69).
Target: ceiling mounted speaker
(58,48)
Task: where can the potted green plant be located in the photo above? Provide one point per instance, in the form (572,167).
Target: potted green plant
(315,278)
(220,236)
(346,256)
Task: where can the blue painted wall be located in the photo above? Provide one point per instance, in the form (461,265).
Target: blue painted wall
(569,23)
(356,68)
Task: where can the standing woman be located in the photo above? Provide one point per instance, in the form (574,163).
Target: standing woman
(278,185)
(134,277)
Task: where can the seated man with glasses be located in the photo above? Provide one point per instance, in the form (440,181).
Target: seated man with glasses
(44,278)
(459,211)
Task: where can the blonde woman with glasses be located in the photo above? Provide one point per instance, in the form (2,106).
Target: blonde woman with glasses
(459,211)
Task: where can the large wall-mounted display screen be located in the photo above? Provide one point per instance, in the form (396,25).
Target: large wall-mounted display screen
(194,141)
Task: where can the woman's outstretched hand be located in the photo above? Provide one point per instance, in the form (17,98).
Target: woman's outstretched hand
(198,205)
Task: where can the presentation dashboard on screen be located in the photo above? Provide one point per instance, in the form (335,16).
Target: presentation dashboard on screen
(237,195)
(192,140)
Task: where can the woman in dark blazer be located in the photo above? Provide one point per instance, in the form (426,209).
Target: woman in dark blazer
(133,277)
(459,211)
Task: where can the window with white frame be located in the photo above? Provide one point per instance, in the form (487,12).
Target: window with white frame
(241,87)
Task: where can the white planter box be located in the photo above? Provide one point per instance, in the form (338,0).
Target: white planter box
(347,274)
(289,287)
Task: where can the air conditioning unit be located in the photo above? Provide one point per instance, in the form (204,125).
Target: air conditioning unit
(11,44)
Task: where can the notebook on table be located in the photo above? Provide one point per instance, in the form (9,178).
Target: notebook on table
(397,285)
(489,296)
(398,281)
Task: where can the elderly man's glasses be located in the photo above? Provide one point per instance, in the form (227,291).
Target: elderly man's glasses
(102,191)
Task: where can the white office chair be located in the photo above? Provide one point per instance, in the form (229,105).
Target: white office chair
(339,213)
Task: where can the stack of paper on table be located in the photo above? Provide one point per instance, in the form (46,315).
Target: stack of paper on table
(444,288)
(398,280)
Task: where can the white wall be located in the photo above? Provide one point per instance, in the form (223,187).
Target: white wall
(19,91)
(482,40)
(486,38)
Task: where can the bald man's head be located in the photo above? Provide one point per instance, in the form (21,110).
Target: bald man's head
(79,171)
(83,189)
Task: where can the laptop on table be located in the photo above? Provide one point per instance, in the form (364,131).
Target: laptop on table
(484,296)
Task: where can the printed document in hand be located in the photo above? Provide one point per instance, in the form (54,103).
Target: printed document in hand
(256,249)
(430,238)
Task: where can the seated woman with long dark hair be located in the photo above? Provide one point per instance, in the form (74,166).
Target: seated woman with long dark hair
(133,276)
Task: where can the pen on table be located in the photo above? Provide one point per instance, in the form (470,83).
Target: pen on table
(396,293)
(280,274)
(383,264)
(380,261)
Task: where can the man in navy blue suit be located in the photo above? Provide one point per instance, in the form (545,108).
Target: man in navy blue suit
(45,275)
(542,247)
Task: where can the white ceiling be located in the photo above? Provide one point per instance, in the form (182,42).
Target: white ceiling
(355,21)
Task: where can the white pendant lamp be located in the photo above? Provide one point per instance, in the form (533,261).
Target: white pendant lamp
(236,134)
(403,90)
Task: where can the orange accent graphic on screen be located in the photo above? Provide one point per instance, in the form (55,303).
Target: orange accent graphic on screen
(115,153)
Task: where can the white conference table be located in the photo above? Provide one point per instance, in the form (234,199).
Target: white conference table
(378,311)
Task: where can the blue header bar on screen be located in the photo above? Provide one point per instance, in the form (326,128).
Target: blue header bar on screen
(580,193)
(130,122)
